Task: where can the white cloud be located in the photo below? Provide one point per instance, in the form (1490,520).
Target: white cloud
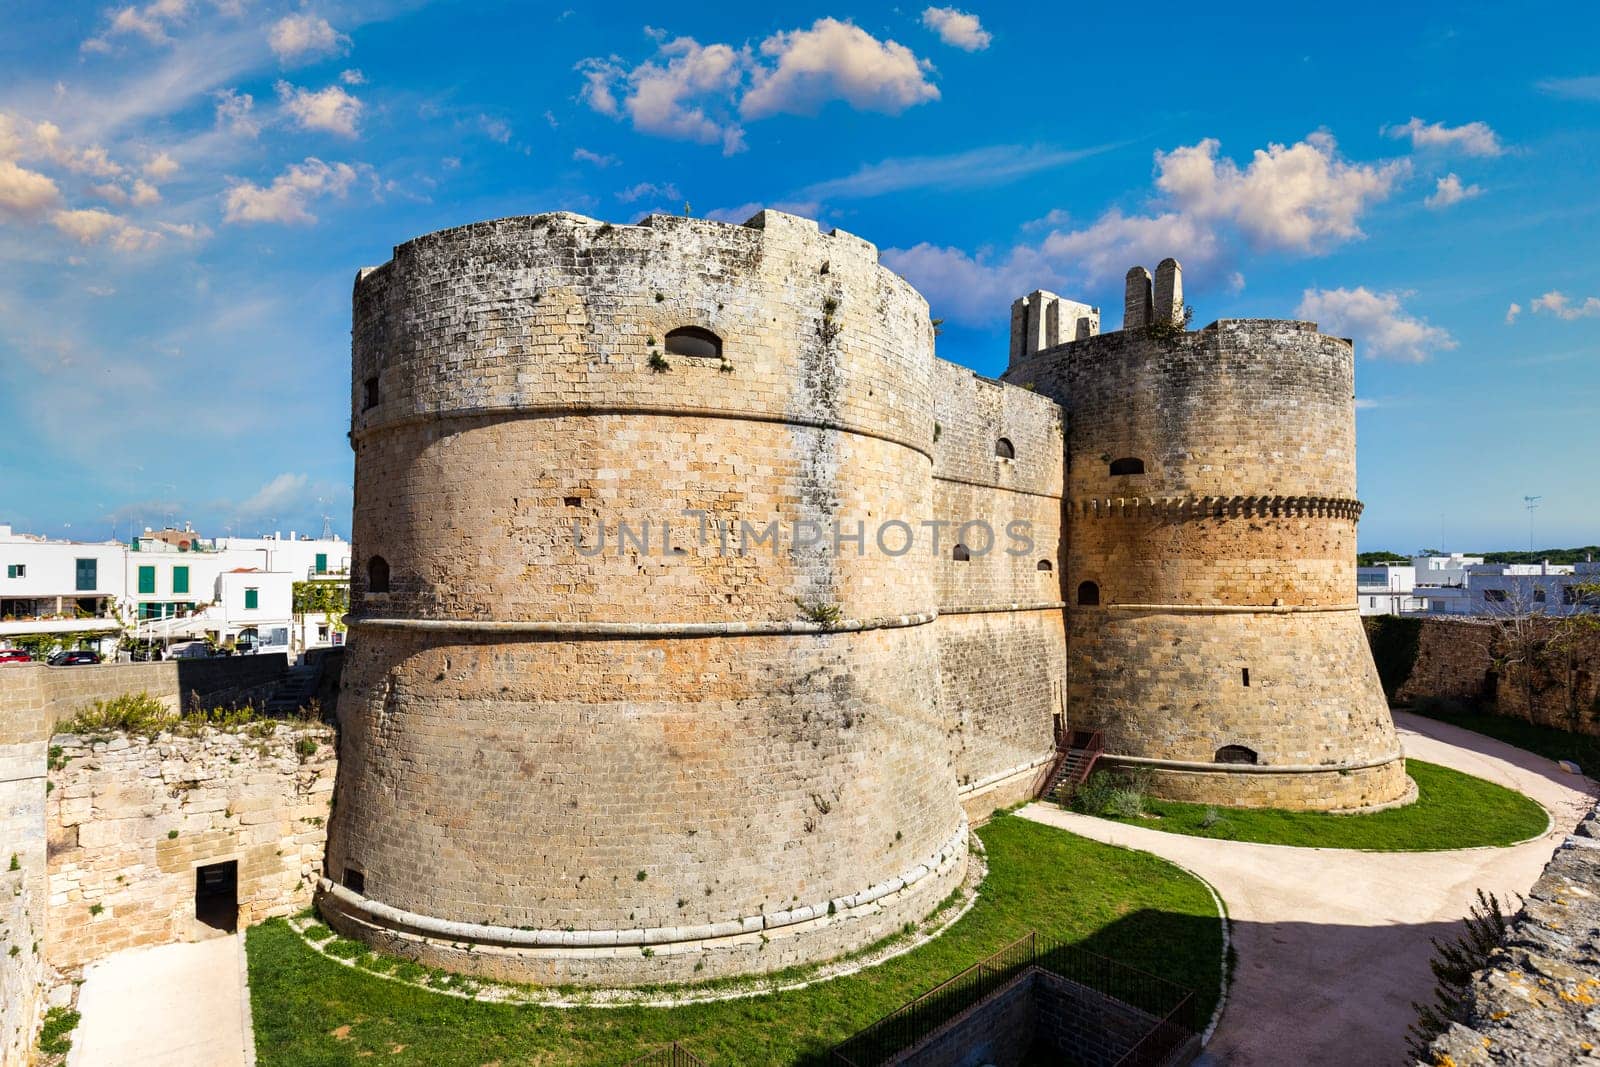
(583,155)
(836,60)
(353,77)
(152,22)
(189,231)
(1376,322)
(1473,139)
(1449,191)
(236,113)
(25,193)
(1584,88)
(92,225)
(1104,251)
(1512,312)
(644,189)
(971,288)
(279,494)
(1561,306)
(496,129)
(1303,197)
(957,28)
(286,199)
(303,36)
(161,168)
(92,160)
(742,213)
(331,109)
(694,92)
(979,167)
(669,94)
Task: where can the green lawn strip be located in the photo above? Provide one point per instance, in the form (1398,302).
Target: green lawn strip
(1452,810)
(1546,741)
(1127,905)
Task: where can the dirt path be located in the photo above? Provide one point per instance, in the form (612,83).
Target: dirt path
(1334,945)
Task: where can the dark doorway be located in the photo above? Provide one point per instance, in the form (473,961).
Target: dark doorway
(216,895)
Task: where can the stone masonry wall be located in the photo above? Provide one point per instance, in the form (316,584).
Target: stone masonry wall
(23,970)
(1454,661)
(1210,562)
(1000,627)
(1537,1002)
(720,737)
(130,819)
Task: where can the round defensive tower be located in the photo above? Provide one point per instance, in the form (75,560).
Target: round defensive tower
(1213,631)
(682,753)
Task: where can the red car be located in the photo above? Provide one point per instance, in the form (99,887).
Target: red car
(14,655)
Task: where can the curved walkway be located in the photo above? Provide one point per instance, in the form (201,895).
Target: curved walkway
(1333,945)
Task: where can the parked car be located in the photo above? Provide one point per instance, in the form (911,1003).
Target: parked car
(15,655)
(76,657)
(190,650)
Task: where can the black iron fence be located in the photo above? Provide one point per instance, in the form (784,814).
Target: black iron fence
(1173,1012)
(673,1055)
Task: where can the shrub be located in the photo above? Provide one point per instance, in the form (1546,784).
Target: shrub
(55,1039)
(1126,802)
(134,713)
(1093,796)
(1210,818)
(1454,964)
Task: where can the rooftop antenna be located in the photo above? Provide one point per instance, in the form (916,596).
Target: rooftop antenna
(327,527)
(1531,503)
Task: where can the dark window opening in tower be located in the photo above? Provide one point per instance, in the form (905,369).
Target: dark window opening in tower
(960,554)
(355,880)
(1088,594)
(1244,676)
(1235,754)
(370,398)
(1045,565)
(693,341)
(377,575)
(1127,465)
(1004,449)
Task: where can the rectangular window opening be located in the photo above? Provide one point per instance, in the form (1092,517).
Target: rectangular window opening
(180,579)
(88,575)
(1244,676)
(252,599)
(147,579)
(355,881)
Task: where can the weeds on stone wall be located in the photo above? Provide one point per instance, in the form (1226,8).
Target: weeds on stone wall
(143,715)
(824,614)
(1454,963)
(55,1038)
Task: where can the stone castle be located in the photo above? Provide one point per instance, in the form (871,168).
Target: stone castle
(603,724)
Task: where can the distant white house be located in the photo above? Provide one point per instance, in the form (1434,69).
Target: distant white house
(1466,585)
(167,586)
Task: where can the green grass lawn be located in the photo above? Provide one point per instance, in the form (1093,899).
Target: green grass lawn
(1547,741)
(1452,810)
(1127,905)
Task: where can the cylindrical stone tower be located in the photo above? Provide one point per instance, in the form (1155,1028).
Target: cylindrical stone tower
(687,752)
(1213,632)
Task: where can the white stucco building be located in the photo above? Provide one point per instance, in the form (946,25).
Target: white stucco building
(169,585)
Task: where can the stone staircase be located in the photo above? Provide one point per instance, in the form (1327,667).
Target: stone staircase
(298,687)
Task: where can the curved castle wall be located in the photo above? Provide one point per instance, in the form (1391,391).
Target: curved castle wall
(1213,633)
(579,759)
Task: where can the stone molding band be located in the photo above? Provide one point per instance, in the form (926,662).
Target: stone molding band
(603,630)
(988,609)
(999,776)
(990,485)
(383,915)
(1233,609)
(549,411)
(1197,767)
(1217,507)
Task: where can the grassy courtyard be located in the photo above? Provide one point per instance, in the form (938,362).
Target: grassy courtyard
(1452,810)
(1126,905)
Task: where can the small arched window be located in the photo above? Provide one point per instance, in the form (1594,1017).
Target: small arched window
(1045,565)
(1088,594)
(377,575)
(693,341)
(960,554)
(1235,754)
(1005,449)
(1127,465)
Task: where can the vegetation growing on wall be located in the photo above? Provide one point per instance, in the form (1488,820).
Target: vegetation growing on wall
(1394,642)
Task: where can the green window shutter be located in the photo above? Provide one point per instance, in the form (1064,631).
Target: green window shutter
(88,575)
(11,570)
(147,579)
(180,579)
(252,599)
(322,563)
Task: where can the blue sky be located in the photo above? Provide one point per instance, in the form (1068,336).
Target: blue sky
(187,188)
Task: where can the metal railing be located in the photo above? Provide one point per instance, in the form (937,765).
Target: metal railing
(1173,1009)
(673,1055)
